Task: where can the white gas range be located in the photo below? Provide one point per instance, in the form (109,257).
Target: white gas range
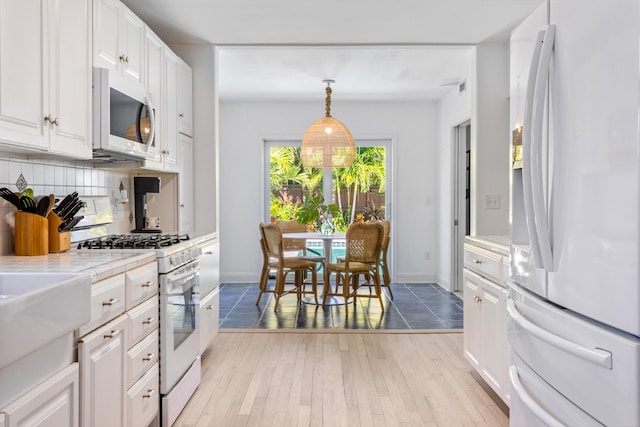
(180,287)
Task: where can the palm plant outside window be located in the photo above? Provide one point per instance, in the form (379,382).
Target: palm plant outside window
(358,191)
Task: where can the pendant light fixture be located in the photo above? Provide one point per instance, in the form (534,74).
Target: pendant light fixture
(328,143)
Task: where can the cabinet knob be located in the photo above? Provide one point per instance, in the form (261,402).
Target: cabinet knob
(47,118)
(111,334)
(209,307)
(55,122)
(110,302)
(181,114)
(477,261)
(126,60)
(122,58)
(182,205)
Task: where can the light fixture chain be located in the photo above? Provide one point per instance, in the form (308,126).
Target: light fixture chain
(327,108)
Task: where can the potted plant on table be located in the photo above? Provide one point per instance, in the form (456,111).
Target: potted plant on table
(316,214)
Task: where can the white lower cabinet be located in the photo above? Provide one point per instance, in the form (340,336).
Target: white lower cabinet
(209,318)
(102,355)
(52,403)
(119,376)
(485,318)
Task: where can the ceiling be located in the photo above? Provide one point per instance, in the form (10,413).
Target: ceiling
(374,49)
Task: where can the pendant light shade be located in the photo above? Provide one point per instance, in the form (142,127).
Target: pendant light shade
(328,143)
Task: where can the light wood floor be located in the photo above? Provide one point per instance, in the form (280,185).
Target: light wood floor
(339,379)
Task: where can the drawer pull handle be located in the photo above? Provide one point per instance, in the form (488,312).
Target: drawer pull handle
(110,302)
(209,307)
(148,357)
(208,253)
(111,334)
(147,321)
(147,284)
(149,394)
(477,261)
(477,298)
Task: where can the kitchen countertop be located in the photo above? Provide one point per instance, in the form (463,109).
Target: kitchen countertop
(100,264)
(494,243)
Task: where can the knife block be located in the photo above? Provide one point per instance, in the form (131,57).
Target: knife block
(58,242)
(32,234)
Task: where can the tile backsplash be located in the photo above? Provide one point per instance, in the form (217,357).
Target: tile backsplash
(62,177)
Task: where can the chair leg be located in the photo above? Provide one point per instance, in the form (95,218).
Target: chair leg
(387,279)
(262,285)
(314,284)
(376,281)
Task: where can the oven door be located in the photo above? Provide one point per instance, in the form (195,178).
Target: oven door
(179,323)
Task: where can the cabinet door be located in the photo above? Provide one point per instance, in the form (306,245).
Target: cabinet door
(154,48)
(493,332)
(132,36)
(170,151)
(472,321)
(52,403)
(23,67)
(70,78)
(102,356)
(106,44)
(185,98)
(185,210)
(209,318)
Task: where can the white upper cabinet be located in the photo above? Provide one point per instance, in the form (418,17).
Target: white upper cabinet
(45,75)
(118,40)
(170,104)
(185,99)
(154,78)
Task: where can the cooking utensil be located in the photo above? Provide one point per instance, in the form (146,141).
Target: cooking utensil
(67,226)
(27,204)
(52,201)
(43,206)
(71,210)
(65,202)
(9,196)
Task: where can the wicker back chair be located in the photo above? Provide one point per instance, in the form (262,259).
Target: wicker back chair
(298,247)
(363,244)
(274,258)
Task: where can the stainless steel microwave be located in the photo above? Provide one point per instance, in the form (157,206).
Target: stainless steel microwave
(123,120)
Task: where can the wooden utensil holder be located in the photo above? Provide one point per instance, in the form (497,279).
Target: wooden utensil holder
(32,234)
(58,241)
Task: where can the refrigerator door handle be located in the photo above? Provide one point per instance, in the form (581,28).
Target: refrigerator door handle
(526,151)
(598,357)
(538,411)
(537,185)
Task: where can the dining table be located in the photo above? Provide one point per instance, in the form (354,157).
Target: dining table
(327,243)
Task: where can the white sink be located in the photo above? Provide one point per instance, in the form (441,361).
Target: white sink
(38,308)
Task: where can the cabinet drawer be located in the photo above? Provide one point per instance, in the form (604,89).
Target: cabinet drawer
(107,302)
(142,283)
(143,399)
(485,263)
(142,320)
(141,357)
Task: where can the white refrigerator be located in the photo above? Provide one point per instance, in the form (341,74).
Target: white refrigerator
(574,288)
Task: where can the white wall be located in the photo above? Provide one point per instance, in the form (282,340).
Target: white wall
(412,126)
(455,108)
(490,139)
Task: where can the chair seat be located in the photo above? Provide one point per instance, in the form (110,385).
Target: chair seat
(296,262)
(354,267)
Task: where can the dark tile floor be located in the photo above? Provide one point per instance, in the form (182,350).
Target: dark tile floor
(415,306)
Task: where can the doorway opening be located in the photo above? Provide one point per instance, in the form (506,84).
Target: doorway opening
(461,200)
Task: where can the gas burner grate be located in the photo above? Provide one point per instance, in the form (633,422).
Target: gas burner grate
(133,241)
